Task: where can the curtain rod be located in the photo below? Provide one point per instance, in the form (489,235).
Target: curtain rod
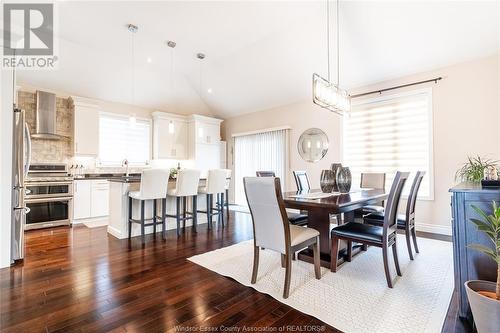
(435,80)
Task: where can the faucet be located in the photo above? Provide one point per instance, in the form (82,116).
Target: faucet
(125,163)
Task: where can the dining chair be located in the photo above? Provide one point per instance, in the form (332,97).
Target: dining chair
(215,185)
(273,231)
(376,181)
(405,221)
(186,187)
(294,218)
(154,183)
(384,236)
(302,181)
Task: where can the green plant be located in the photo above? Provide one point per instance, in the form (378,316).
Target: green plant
(473,169)
(173,173)
(490,225)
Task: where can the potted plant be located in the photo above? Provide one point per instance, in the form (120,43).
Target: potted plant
(473,169)
(484,296)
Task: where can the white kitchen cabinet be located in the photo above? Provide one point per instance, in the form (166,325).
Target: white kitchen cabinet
(99,204)
(170,136)
(204,141)
(82,199)
(86,127)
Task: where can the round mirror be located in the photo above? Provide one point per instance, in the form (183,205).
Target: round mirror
(313,145)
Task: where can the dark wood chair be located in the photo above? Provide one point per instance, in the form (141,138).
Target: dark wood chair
(405,222)
(301,180)
(294,218)
(384,236)
(273,231)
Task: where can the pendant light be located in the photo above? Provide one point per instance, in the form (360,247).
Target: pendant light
(171,44)
(328,94)
(133,30)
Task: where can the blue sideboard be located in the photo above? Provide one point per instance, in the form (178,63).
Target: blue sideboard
(468,263)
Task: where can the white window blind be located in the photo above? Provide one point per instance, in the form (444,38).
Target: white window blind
(120,138)
(267,151)
(390,134)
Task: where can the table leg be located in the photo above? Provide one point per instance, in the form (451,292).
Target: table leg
(320,221)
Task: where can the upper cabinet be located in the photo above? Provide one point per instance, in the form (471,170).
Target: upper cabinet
(205,130)
(86,127)
(170,136)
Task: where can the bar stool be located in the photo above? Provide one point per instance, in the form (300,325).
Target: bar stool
(186,186)
(153,186)
(216,184)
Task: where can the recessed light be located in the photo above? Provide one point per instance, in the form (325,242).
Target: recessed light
(209,90)
(150,60)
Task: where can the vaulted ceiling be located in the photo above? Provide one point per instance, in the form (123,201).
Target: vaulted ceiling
(259,54)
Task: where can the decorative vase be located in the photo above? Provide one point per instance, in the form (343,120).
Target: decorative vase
(334,168)
(327,181)
(344,179)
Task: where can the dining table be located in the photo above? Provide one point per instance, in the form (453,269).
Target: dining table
(320,207)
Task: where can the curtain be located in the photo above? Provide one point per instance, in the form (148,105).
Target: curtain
(267,151)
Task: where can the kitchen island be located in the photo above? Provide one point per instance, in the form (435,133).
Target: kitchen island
(118,208)
(470,264)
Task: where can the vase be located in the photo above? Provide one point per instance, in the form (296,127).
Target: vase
(344,179)
(334,168)
(327,181)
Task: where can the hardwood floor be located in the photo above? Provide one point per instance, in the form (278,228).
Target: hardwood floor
(82,280)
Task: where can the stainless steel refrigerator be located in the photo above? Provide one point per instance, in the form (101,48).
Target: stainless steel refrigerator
(21,156)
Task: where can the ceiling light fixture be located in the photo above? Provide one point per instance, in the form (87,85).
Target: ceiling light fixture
(171,44)
(327,94)
(201,56)
(149,60)
(133,30)
(171,128)
(209,90)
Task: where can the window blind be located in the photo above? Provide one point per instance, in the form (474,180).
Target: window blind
(390,134)
(120,138)
(265,151)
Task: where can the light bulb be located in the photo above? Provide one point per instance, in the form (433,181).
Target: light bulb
(171,128)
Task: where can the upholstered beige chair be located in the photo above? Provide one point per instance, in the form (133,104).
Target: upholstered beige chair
(271,227)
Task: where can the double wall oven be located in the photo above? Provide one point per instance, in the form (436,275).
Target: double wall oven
(49,196)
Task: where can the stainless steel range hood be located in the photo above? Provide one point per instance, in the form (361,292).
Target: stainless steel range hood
(46,117)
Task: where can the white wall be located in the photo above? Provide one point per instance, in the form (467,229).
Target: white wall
(6,114)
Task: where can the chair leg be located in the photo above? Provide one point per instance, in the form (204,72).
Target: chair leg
(129,218)
(163,217)
(154,218)
(414,235)
(255,263)
(143,236)
(396,261)
(227,204)
(184,210)
(334,255)
(178,215)
(288,274)
(209,220)
(349,251)
(408,242)
(364,247)
(195,213)
(221,209)
(283,261)
(317,265)
(386,266)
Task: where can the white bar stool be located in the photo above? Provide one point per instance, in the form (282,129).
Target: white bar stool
(216,184)
(153,186)
(186,186)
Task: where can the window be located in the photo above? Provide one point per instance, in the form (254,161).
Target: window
(120,137)
(391,133)
(266,151)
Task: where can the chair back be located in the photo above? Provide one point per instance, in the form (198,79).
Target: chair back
(187,182)
(391,209)
(228,177)
(216,181)
(412,197)
(154,183)
(301,180)
(373,180)
(265,174)
(270,223)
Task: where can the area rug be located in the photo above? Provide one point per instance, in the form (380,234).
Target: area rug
(356,298)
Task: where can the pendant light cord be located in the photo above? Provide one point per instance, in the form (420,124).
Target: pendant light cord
(328,36)
(133,69)
(338,46)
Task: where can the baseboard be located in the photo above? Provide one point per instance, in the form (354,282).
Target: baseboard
(434,228)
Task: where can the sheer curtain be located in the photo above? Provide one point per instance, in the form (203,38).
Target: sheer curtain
(266,151)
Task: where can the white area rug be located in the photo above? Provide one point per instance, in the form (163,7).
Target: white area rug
(356,298)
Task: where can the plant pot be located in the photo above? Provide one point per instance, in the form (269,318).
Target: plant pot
(344,179)
(327,181)
(485,310)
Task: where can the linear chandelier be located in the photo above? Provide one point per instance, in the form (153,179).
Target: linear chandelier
(328,94)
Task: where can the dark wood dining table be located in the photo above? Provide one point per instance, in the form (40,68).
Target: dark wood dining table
(319,211)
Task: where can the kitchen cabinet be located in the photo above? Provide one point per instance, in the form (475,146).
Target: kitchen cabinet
(204,142)
(90,199)
(86,127)
(170,136)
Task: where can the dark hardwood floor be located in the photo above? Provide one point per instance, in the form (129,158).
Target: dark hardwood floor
(82,280)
